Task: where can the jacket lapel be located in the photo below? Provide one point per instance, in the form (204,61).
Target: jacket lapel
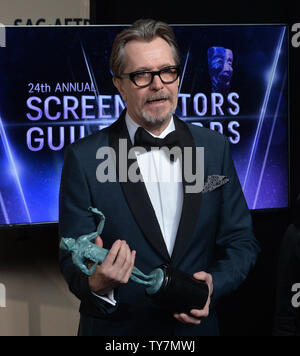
(136,194)
(191,201)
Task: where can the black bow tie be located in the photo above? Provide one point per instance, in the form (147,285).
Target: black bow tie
(143,139)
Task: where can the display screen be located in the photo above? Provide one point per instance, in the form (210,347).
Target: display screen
(56,87)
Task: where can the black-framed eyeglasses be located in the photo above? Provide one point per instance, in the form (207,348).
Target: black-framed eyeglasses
(143,78)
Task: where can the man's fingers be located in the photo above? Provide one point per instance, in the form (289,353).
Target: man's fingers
(206,277)
(195,315)
(122,256)
(99,241)
(129,271)
(119,257)
(127,262)
(203,276)
(112,254)
(115,269)
(203,313)
(186,319)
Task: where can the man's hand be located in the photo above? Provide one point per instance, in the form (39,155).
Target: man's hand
(115,269)
(197,314)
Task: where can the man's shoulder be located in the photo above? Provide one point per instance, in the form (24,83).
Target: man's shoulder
(203,135)
(91,142)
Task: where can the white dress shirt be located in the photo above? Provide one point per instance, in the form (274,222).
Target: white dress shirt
(163,182)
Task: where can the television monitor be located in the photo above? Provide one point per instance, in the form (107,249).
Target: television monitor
(56,87)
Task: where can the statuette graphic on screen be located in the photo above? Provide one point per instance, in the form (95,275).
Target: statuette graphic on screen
(220,62)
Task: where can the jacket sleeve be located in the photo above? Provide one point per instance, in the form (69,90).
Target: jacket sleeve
(74,221)
(237,247)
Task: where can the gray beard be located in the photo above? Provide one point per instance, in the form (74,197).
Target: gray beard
(156,122)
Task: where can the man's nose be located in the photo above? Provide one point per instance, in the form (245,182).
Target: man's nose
(156,84)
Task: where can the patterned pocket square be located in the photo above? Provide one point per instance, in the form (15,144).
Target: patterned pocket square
(214,182)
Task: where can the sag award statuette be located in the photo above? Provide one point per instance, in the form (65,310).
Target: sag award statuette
(165,286)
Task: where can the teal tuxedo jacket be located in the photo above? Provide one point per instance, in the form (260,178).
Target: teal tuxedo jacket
(214,235)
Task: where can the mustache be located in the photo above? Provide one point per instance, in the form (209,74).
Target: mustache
(156,97)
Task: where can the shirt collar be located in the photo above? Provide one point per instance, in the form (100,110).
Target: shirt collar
(132,126)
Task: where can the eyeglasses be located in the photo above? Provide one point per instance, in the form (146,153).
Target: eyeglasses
(143,78)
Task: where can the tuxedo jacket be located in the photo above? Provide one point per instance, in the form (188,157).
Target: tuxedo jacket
(214,234)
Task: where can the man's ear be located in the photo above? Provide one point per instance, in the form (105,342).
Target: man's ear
(119,85)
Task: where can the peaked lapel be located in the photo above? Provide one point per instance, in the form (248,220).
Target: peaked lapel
(136,193)
(191,201)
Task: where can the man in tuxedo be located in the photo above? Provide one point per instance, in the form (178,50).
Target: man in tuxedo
(153,221)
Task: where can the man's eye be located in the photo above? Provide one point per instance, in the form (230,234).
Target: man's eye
(142,75)
(169,71)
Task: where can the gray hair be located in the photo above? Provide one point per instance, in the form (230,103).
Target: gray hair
(145,30)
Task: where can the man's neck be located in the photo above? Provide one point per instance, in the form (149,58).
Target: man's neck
(155,129)
(132,126)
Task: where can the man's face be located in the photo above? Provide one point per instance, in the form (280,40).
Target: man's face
(151,106)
